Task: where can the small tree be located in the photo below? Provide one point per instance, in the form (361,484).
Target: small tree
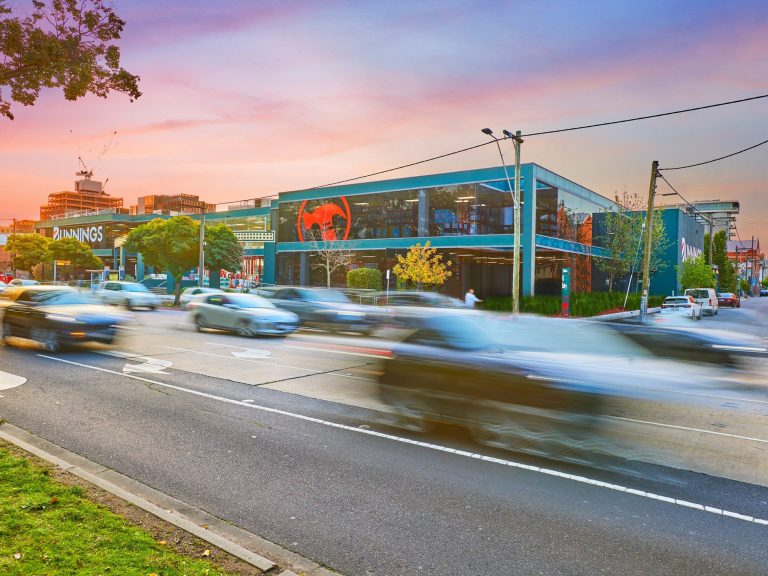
(78,254)
(28,250)
(331,254)
(364,278)
(696,273)
(173,245)
(222,251)
(727,272)
(64,44)
(422,265)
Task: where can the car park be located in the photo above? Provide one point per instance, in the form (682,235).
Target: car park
(57,316)
(188,294)
(129,294)
(706,297)
(246,314)
(326,308)
(728,300)
(682,306)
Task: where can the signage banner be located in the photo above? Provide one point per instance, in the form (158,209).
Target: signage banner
(565,310)
(87,234)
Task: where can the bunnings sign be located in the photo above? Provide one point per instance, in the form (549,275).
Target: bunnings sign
(87,234)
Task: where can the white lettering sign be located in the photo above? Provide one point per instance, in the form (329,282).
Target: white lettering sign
(688,252)
(85,234)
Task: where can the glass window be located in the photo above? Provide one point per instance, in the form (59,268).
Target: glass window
(470,209)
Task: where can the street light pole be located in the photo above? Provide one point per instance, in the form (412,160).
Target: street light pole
(517,140)
(202,248)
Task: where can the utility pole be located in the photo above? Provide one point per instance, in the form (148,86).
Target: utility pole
(648,241)
(202,247)
(518,141)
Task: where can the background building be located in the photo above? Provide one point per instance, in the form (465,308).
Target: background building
(173,203)
(89,196)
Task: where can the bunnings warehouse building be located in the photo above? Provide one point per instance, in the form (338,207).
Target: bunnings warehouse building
(468,216)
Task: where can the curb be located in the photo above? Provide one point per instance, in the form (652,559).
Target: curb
(621,315)
(233,540)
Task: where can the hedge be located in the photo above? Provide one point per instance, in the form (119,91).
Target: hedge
(366,278)
(582,304)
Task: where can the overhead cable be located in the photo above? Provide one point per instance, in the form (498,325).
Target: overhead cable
(715,159)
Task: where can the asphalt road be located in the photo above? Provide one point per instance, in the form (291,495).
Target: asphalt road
(276,437)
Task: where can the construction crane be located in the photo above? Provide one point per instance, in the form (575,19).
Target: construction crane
(85,173)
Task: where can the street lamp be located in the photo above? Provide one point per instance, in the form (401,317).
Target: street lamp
(517,141)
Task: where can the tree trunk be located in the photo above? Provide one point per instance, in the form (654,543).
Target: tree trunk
(328,276)
(177,290)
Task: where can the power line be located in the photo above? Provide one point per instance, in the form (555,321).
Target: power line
(692,206)
(715,159)
(541,134)
(646,117)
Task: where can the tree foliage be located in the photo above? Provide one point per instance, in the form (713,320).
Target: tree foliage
(623,236)
(78,254)
(422,265)
(222,252)
(63,44)
(173,245)
(29,250)
(727,272)
(696,273)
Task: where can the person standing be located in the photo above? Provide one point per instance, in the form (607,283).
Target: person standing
(470,299)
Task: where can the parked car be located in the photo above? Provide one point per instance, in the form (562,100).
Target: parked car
(129,294)
(326,308)
(56,316)
(188,293)
(706,297)
(729,299)
(245,314)
(3,286)
(763,291)
(682,305)
(23,282)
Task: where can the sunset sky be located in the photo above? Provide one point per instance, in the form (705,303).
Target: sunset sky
(250,98)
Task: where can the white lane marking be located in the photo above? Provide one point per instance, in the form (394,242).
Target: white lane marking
(8,380)
(690,429)
(148,364)
(437,447)
(244,359)
(347,352)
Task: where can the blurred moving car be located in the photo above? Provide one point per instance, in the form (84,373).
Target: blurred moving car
(129,294)
(537,385)
(682,305)
(684,343)
(57,316)
(706,297)
(326,308)
(421,299)
(728,299)
(3,286)
(23,282)
(189,293)
(245,314)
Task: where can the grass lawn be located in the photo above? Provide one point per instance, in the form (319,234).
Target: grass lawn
(50,528)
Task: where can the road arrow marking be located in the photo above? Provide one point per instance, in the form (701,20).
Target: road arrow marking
(8,381)
(252,353)
(148,365)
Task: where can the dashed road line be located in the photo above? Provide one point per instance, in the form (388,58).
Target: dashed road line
(437,447)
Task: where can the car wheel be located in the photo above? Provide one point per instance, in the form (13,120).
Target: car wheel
(410,413)
(244,329)
(47,338)
(7,331)
(200,323)
(129,305)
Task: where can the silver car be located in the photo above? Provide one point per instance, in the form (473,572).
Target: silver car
(245,314)
(129,294)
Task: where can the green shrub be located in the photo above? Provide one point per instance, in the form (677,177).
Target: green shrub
(365,278)
(582,304)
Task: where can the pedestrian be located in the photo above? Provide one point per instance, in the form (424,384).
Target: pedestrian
(470,298)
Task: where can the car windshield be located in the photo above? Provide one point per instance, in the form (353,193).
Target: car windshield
(698,293)
(325,296)
(726,295)
(680,300)
(249,301)
(135,288)
(58,297)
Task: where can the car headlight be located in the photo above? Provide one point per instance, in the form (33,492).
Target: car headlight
(61,318)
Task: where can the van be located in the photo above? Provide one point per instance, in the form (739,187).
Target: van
(706,297)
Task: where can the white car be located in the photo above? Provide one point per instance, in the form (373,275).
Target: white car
(188,294)
(23,282)
(707,297)
(681,306)
(242,313)
(129,294)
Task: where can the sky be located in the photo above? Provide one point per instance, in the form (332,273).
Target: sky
(243,99)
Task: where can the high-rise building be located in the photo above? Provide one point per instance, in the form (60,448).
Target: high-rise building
(180,203)
(89,196)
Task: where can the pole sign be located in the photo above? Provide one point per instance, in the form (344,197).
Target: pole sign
(565,310)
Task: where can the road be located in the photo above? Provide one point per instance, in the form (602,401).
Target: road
(285,438)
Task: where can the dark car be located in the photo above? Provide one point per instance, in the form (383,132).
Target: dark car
(729,299)
(325,308)
(57,316)
(763,291)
